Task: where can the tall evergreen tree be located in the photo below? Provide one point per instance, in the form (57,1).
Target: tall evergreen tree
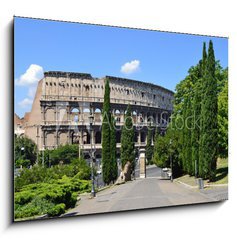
(106,126)
(209,136)
(223,121)
(202,94)
(187,137)
(149,147)
(127,140)
(114,167)
(196,107)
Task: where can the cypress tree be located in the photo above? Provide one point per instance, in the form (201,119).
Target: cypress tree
(114,167)
(195,135)
(106,155)
(188,140)
(209,137)
(127,141)
(149,148)
(186,136)
(201,133)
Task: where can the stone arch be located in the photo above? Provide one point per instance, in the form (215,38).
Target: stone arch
(62,138)
(86,113)
(50,141)
(50,114)
(141,117)
(75,115)
(134,116)
(117,115)
(98,115)
(62,114)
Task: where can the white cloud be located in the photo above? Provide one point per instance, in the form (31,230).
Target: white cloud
(25,102)
(32,75)
(130,67)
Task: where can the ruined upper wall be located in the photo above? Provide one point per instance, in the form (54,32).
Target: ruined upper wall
(68,86)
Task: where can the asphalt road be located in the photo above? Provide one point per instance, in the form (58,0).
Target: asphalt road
(150,192)
(151,171)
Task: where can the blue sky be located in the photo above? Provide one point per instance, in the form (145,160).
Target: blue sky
(150,56)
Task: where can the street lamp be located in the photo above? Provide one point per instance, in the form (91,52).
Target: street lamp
(171,163)
(91,119)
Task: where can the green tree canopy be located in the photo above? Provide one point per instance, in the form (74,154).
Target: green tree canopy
(25,151)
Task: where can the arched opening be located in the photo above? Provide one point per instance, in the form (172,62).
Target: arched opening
(117,116)
(118,136)
(98,115)
(134,117)
(98,137)
(143,137)
(154,118)
(141,117)
(136,137)
(75,113)
(75,138)
(86,138)
(86,114)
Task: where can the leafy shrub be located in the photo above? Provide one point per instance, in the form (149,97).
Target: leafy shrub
(57,210)
(42,198)
(61,154)
(37,206)
(39,174)
(25,151)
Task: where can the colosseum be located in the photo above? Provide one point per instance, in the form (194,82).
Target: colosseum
(64,101)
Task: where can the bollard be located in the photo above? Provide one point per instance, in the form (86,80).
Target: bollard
(200,183)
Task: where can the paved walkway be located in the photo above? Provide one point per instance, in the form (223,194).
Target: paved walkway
(140,194)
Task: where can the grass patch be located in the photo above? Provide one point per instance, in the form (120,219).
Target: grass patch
(221,175)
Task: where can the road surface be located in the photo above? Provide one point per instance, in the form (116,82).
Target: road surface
(150,192)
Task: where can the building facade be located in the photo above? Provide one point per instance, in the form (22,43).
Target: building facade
(64,101)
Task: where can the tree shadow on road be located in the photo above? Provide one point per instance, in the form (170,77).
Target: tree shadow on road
(221,173)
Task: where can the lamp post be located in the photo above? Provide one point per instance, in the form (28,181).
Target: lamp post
(171,163)
(91,119)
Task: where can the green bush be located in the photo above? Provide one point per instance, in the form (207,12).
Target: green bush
(63,154)
(25,151)
(42,198)
(39,174)
(57,210)
(36,207)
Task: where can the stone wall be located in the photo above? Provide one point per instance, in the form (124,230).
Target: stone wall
(64,101)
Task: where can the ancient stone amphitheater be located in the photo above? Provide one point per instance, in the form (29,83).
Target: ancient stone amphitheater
(63,101)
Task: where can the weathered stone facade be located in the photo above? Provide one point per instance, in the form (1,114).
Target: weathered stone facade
(63,102)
